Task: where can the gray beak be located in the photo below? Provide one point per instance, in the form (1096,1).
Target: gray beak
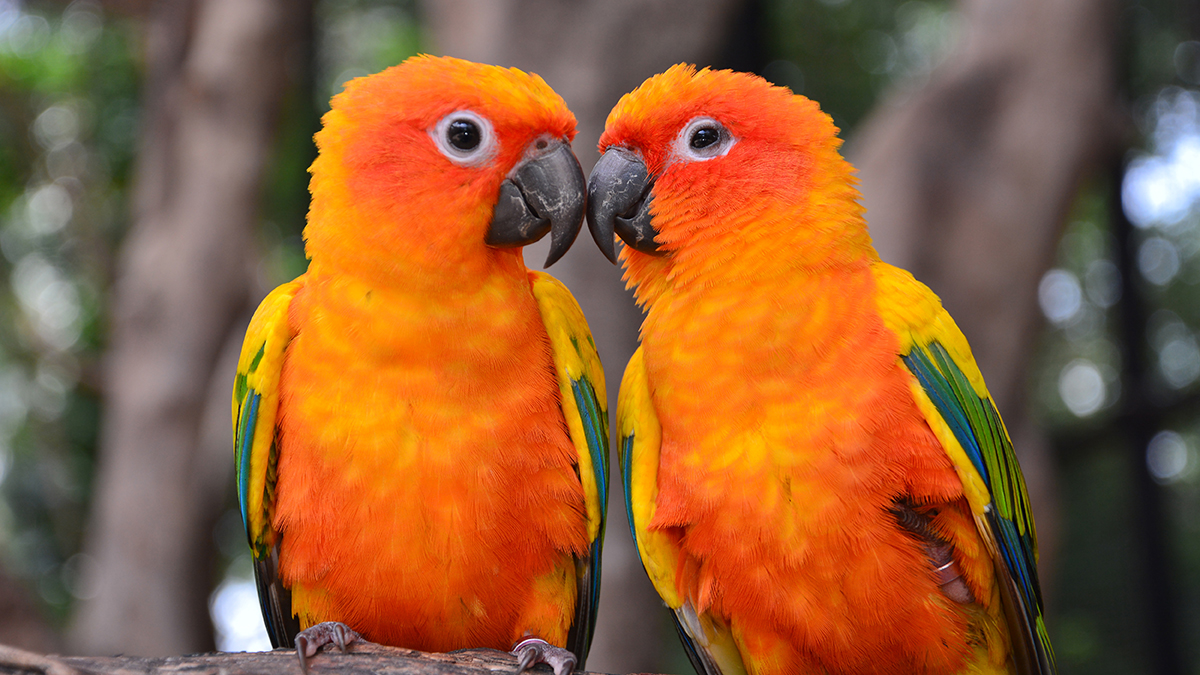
(619,196)
(544,193)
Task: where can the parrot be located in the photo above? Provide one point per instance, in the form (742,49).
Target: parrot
(420,422)
(816,477)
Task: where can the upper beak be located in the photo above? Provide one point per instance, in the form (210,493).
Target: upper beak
(544,193)
(619,196)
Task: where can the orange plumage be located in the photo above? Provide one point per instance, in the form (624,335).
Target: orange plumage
(772,430)
(423,485)
(417,511)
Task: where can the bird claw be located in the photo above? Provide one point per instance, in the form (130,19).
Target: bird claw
(310,640)
(532,651)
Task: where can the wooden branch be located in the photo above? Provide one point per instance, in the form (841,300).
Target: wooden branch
(13,660)
(361,659)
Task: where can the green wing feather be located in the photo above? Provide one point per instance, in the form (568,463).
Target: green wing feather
(581,387)
(254,406)
(1007,522)
(950,391)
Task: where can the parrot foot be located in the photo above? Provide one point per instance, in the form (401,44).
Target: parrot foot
(946,572)
(310,640)
(532,651)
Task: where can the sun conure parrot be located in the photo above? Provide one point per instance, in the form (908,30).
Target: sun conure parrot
(419,420)
(815,474)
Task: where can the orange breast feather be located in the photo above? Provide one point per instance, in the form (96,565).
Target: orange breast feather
(426,489)
(781,500)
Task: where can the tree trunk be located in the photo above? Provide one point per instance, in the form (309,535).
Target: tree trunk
(21,621)
(969,179)
(217,74)
(591,52)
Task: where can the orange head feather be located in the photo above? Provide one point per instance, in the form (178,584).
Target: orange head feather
(383,191)
(775,192)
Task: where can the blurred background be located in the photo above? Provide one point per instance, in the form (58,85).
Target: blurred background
(1036,162)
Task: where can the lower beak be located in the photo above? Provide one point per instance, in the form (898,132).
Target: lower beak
(544,193)
(619,196)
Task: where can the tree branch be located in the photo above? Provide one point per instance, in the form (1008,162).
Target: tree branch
(361,659)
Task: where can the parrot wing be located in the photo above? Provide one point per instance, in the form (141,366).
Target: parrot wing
(581,387)
(255,403)
(950,391)
(709,642)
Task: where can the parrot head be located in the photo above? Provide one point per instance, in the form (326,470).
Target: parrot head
(437,162)
(701,165)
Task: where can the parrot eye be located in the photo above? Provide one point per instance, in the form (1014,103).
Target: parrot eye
(465,138)
(703,138)
(463,134)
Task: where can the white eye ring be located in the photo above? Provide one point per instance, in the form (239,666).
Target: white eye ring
(702,139)
(465,138)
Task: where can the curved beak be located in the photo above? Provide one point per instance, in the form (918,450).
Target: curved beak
(544,193)
(619,196)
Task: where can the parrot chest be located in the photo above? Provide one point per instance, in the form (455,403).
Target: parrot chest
(421,444)
(788,430)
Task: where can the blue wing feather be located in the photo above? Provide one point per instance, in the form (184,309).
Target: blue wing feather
(627,483)
(936,386)
(254,409)
(976,425)
(595,429)
(246,421)
(703,665)
(581,384)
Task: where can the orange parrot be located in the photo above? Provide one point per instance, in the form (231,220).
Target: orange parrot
(815,474)
(420,431)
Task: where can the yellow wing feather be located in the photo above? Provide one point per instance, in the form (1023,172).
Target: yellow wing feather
(943,367)
(576,361)
(710,642)
(584,404)
(915,314)
(641,438)
(255,403)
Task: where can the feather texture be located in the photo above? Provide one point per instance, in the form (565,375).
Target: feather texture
(790,394)
(419,423)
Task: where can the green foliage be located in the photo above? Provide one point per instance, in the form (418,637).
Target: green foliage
(68,88)
(1086,391)
(69,78)
(1095,617)
(360,37)
(844,53)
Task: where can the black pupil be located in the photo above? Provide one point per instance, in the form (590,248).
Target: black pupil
(704,137)
(463,134)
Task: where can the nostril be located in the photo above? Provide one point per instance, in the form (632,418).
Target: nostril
(542,144)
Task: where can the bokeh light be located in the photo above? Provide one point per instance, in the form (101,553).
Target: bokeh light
(1082,387)
(1158,261)
(1161,187)
(1167,456)
(237,617)
(1060,296)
